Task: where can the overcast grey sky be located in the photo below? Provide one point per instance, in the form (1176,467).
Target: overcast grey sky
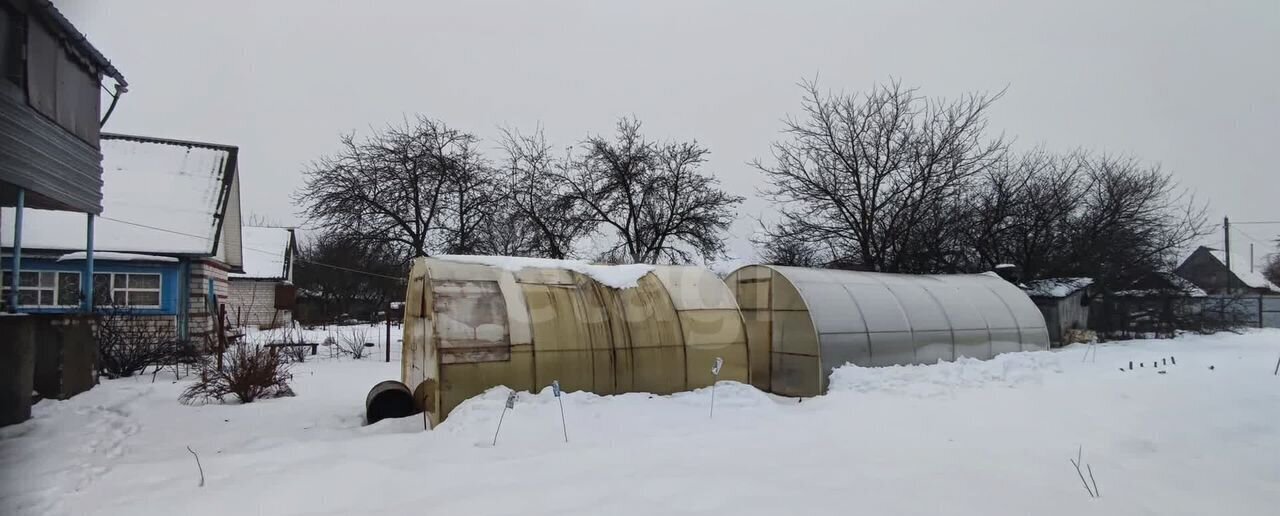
(1194,86)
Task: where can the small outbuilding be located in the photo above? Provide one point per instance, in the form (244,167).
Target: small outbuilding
(263,295)
(1064,302)
(803,323)
(474,322)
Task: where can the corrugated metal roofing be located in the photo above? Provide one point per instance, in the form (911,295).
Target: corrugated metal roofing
(266,252)
(160,196)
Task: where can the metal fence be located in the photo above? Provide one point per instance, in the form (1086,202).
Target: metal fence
(1162,315)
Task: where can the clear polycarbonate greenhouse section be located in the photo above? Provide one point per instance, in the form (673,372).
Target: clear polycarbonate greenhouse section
(472,323)
(802,323)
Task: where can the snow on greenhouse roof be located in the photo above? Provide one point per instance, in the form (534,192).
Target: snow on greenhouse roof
(158,196)
(266,252)
(1055,287)
(615,276)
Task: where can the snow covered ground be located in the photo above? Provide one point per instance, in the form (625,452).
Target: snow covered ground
(960,438)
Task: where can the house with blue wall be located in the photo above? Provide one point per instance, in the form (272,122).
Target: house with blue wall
(168,237)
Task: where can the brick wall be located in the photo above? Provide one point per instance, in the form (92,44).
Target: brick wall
(200,317)
(253,303)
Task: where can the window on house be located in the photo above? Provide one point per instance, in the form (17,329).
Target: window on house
(137,290)
(44,288)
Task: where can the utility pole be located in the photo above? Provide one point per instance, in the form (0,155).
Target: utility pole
(1226,240)
(1251,257)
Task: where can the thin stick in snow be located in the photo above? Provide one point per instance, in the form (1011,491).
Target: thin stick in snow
(555,387)
(1096,492)
(1082,480)
(510,404)
(198,466)
(1277,367)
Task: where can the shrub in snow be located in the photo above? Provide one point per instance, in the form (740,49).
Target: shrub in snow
(353,340)
(248,372)
(128,344)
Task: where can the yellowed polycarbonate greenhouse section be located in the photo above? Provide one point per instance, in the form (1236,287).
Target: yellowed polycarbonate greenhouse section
(803,323)
(472,323)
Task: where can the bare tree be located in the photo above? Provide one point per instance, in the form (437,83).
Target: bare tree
(652,197)
(868,176)
(780,245)
(1271,270)
(472,196)
(543,219)
(391,187)
(349,275)
(1133,220)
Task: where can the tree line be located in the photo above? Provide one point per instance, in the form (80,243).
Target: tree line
(886,180)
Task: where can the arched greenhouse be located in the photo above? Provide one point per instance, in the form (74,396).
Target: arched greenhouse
(802,323)
(472,323)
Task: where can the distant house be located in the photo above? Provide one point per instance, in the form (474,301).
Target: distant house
(168,236)
(1207,268)
(263,295)
(1064,303)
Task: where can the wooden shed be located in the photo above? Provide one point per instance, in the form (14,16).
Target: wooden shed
(1064,302)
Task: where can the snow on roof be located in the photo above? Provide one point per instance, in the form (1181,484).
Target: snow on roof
(615,276)
(119,257)
(1240,267)
(1055,287)
(1179,287)
(174,187)
(266,252)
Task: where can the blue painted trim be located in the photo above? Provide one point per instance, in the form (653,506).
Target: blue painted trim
(168,272)
(86,287)
(184,299)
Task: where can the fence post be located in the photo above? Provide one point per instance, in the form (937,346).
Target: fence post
(387,343)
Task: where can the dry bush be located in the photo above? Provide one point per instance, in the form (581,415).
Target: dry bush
(128,344)
(249,373)
(353,340)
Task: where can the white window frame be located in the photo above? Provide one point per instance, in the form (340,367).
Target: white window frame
(124,280)
(56,288)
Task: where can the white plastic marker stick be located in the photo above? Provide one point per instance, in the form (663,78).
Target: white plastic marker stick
(715,373)
(555,388)
(511,403)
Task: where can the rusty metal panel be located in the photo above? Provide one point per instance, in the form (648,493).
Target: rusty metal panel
(470,321)
(709,334)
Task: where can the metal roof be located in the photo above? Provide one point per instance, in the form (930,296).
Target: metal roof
(62,27)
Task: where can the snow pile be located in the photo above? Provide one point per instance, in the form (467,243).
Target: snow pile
(1056,287)
(615,276)
(1163,438)
(944,378)
(119,257)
